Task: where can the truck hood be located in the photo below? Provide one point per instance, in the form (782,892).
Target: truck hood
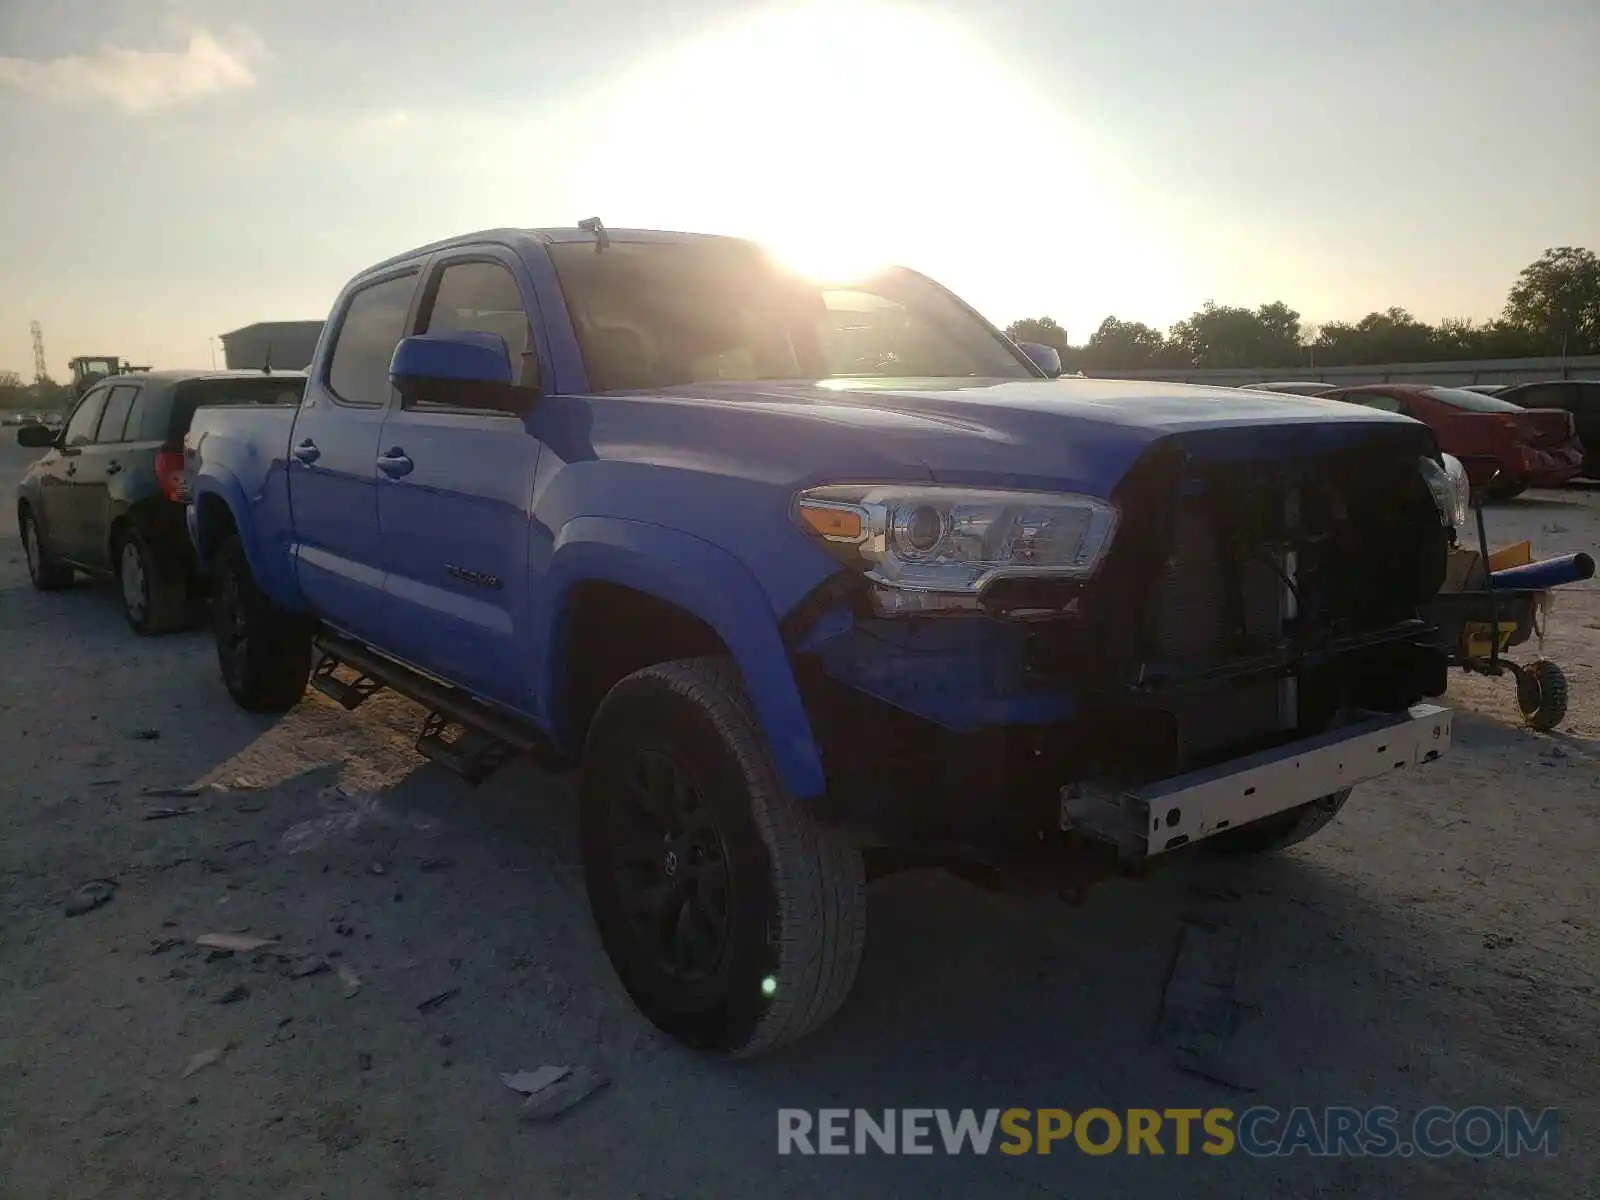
(1075,434)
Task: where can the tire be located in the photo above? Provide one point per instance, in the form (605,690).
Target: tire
(1281,830)
(264,652)
(1505,490)
(155,596)
(1542,695)
(782,900)
(47,574)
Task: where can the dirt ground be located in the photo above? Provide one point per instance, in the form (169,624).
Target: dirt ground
(1437,945)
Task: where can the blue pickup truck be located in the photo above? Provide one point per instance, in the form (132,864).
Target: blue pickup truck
(818,582)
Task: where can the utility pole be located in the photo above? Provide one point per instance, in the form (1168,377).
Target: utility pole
(41,372)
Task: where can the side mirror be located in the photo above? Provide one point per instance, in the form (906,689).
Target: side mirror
(36,436)
(462,368)
(1046,358)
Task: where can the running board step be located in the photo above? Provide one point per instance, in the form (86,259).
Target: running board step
(348,693)
(486,737)
(470,753)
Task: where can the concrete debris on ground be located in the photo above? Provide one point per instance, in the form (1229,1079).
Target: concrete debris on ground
(1199,1008)
(201,1061)
(242,943)
(90,896)
(552,1091)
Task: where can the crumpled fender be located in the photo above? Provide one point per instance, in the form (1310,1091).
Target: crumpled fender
(702,579)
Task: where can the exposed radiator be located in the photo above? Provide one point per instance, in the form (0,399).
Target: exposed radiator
(1190,621)
(1190,600)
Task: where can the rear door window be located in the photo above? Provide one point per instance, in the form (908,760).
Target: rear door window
(374,322)
(142,417)
(114,421)
(85,418)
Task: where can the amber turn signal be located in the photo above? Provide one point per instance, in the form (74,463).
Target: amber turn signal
(843,524)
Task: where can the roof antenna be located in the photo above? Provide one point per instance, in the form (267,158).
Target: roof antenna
(593,225)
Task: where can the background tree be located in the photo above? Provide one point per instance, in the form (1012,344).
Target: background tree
(1043,330)
(1125,345)
(13,394)
(1557,296)
(1557,299)
(1222,336)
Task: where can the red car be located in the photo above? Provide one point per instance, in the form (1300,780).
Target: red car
(1530,447)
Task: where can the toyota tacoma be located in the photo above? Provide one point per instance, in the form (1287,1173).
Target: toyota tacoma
(815,582)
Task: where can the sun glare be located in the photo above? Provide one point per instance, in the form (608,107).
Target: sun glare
(844,137)
(839,136)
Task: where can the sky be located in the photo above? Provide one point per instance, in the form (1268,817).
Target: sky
(174,169)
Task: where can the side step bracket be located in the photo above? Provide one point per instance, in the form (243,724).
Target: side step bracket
(470,753)
(467,736)
(350,693)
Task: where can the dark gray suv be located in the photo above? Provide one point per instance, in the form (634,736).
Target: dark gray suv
(107,497)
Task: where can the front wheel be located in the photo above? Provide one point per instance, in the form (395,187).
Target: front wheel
(47,574)
(733,919)
(264,651)
(1281,830)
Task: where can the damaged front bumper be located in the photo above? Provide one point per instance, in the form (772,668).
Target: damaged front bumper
(1152,820)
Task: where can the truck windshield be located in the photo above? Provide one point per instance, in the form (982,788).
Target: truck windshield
(656,314)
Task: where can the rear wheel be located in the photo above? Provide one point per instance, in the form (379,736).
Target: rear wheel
(263,650)
(47,574)
(1281,830)
(155,596)
(734,920)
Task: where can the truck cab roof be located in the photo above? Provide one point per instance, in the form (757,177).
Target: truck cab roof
(548,236)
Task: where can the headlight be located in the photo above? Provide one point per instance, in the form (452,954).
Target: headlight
(1451,489)
(951,540)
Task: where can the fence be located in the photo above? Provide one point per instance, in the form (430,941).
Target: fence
(1444,374)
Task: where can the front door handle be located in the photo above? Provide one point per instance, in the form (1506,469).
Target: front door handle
(395,463)
(72,469)
(307,452)
(113,468)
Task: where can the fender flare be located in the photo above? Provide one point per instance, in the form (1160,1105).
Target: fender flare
(703,580)
(220,482)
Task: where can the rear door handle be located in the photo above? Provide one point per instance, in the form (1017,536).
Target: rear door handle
(113,468)
(307,452)
(395,463)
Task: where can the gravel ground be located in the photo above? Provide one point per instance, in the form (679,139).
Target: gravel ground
(1435,946)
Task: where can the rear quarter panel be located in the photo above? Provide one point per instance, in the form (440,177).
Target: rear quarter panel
(135,494)
(1479,440)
